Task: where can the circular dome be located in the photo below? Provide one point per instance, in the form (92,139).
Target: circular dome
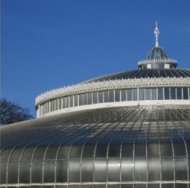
(157,53)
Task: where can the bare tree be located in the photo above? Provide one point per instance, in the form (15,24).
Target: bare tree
(11,113)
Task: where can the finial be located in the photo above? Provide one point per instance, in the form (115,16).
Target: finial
(156,33)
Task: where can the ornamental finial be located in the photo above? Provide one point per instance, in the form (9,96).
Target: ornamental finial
(156,33)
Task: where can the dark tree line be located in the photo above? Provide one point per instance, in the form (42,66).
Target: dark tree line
(11,113)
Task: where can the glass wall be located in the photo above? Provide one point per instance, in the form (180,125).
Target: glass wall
(117,95)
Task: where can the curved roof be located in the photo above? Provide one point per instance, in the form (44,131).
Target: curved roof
(144,73)
(103,126)
(157,53)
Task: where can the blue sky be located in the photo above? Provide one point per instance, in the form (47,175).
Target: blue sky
(48,44)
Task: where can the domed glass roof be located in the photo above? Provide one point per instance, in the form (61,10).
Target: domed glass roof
(157,53)
(144,73)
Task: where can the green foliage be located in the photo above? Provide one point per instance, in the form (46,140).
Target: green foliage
(11,113)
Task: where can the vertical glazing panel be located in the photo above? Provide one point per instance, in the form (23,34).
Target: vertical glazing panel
(114,169)
(140,149)
(153,149)
(24,172)
(75,100)
(185,93)
(51,153)
(141,169)
(117,95)
(37,171)
(127,150)
(95,98)
(49,171)
(106,96)
(39,153)
(173,93)
(154,94)
(74,170)
(123,95)
(141,94)
(127,186)
(129,95)
(114,186)
(111,96)
(71,101)
(167,170)
(140,186)
(181,185)
(181,164)
(13,172)
(154,169)
(89,98)
(101,150)
(3,166)
(179,149)
(148,94)
(87,170)
(88,151)
(61,170)
(179,93)
(167,93)
(100,170)
(63,152)
(160,93)
(76,151)
(134,94)
(168,185)
(100,97)
(166,149)
(114,150)
(127,169)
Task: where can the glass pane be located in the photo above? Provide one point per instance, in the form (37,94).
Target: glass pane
(127,168)
(76,151)
(129,94)
(173,93)
(51,153)
(147,94)
(74,170)
(89,98)
(100,97)
(25,172)
(3,172)
(141,94)
(160,93)
(111,96)
(49,170)
(153,150)
(87,170)
(117,95)
(37,171)
(13,172)
(106,96)
(167,93)
(114,150)
(185,93)
(140,149)
(167,169)
(154,94)
(39,153)
(123,95)
(88,151)
(179,93)
(61,171)
(100,170)
(140,169)
(134,93)
(101,150)
(154,169)
(114,170)
(181,165)
(95,98)
(63,152)
(127,150)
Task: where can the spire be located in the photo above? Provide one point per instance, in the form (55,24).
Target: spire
(156,33)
